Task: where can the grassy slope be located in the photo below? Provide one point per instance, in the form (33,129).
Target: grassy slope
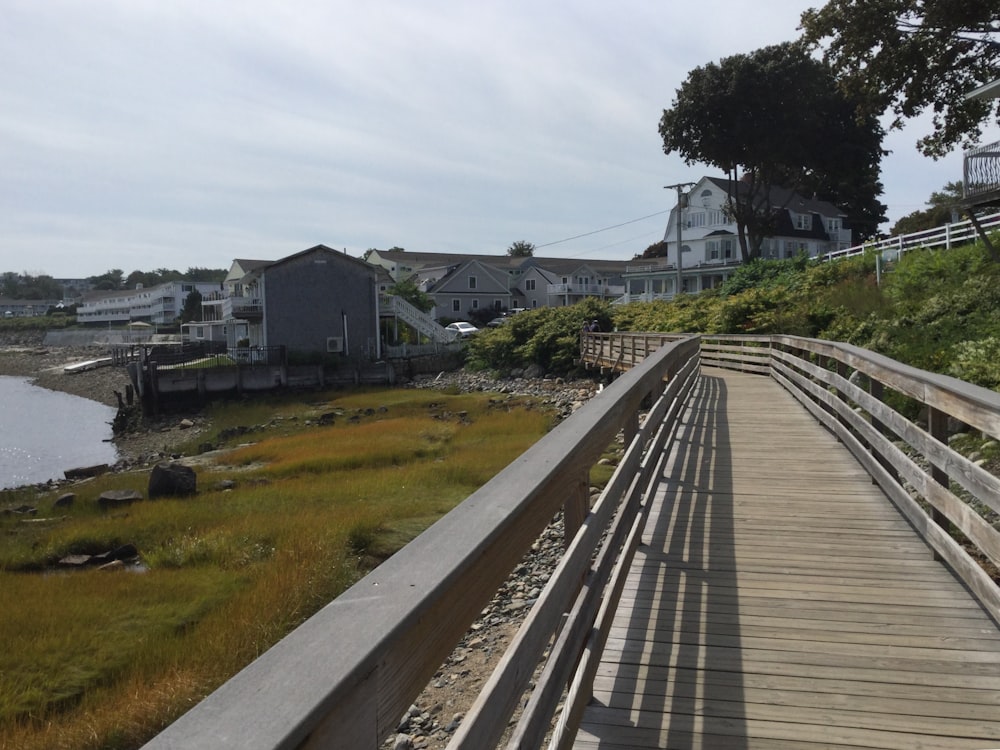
(937,310)
(94,659)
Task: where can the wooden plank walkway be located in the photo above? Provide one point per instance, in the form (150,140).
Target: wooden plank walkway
(780,601)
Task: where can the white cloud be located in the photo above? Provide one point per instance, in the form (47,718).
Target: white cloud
(142,134)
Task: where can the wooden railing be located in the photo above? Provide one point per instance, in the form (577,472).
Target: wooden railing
(620,352)
(346,676)
(897,421)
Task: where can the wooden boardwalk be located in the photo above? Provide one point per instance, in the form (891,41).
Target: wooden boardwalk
(780,601)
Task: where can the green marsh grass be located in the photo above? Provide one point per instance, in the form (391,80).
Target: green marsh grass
(98,659)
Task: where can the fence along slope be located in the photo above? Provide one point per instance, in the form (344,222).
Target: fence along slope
(346,676)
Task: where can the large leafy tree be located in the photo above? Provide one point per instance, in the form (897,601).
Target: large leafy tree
(912,56)
(110,280)
(776,118)
(521,249)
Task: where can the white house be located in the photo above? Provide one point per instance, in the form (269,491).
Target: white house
(158,305)
(709,244)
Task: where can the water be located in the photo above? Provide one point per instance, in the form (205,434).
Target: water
(43,433)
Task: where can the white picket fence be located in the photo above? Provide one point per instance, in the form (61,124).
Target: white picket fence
(946,237)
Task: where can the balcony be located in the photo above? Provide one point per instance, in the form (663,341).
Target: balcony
(585,290)
(981,185)
(247,308)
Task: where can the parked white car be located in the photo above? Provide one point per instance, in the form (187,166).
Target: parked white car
(464,330)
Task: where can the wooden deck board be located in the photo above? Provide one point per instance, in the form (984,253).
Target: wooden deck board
(779,600)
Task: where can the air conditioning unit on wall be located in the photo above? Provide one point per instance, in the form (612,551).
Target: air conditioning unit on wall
(335,344)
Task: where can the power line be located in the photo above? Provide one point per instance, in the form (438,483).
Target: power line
(605,229)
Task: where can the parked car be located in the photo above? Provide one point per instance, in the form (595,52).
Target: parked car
(464,330)
(497,322)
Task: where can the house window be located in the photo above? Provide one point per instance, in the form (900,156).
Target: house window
(529,285)
(789,249)
(475,304)
(456,305)
(727,249)
(696,219)
(713,249)
(472,282)
(716,217)
(497,305)
(833,226)
(803,221)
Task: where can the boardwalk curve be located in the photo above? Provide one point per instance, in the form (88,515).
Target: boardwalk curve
(779,600)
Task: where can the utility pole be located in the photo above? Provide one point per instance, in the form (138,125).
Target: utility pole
(681,203)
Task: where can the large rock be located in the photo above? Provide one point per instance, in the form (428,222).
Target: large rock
(116,498)
(172,480)
(85,472)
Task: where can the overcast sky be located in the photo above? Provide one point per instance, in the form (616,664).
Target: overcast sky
(141,134)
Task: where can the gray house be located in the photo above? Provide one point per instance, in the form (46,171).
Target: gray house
(470,287)
(317,301)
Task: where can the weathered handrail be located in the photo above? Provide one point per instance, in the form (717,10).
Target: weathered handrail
(912,462)
(950,500)
(621,352)
(346,676)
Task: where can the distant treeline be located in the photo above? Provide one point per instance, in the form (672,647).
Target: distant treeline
(15,285)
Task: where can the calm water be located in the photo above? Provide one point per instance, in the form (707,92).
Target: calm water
(44,432)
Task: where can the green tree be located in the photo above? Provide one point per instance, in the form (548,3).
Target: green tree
(735,115)
(656,250)
(408,290)
(10,285)
(110,280)
(205,274)
(521,249)
(941,204)
(192,307)
(913,56)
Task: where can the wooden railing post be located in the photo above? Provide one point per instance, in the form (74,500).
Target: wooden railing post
(877,390)
(576,507)
(937,425)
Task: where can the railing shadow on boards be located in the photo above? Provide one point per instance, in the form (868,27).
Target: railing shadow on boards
(346,676)
(897,421)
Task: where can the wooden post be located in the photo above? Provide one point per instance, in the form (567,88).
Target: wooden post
(877,390)
(937,424)
(576,507)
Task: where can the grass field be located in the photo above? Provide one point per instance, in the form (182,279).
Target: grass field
(97,659)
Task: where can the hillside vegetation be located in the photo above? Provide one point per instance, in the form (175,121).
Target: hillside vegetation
(938,310)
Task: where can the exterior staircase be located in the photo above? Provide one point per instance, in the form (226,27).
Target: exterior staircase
(419,321)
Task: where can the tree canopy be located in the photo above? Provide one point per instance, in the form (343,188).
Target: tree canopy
(26,286)
(409,291)
(776,118)
(913,56)
(521,249)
